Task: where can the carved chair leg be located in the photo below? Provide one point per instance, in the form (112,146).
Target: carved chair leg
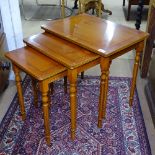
(99,8)
(80,9)
(62,9)
(75,4)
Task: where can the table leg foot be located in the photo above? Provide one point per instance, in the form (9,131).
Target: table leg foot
(99,124)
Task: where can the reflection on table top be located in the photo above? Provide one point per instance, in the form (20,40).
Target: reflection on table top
(100,36)
(24,59)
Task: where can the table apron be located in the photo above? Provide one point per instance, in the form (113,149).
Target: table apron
(88,65)
(121,52)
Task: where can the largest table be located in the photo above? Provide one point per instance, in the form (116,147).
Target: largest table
(107,39)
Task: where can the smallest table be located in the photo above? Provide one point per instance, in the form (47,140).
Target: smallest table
(40,68)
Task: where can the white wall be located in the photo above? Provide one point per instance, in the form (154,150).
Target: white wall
(12,24)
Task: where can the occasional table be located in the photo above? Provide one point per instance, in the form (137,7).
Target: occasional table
(105,38)
(44,70)
(73,57)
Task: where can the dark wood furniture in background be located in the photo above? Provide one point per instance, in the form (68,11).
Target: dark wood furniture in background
(75,4)
(150,88)
(133,2)
(149,43)
(139,14)
(148,63)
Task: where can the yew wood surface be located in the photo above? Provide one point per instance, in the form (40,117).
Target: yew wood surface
(98,35)
(34,63)
(68,54)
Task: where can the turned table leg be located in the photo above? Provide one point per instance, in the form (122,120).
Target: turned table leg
(105,65)
(35,91)
(62,9)
(44,91)
(139,49)
(72,76)
(19,90)
(80,9)
(99,8)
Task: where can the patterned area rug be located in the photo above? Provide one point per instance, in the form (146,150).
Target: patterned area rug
(123,131)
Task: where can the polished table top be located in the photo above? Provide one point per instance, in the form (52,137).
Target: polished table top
(29,60)
(68,54)
(95,34)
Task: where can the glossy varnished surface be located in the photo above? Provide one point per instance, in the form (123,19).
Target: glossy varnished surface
(95,34)
(66,53)
(35,63)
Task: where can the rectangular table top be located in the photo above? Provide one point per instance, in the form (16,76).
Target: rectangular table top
(62,51)
(95,34)
(34,63)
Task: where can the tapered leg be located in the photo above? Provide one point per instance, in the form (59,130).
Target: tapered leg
(72,76)
(44,92)
(35,91)
(19,90)
(106,90)
(104,64)
(65,84)
(135,71)
(62,9)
